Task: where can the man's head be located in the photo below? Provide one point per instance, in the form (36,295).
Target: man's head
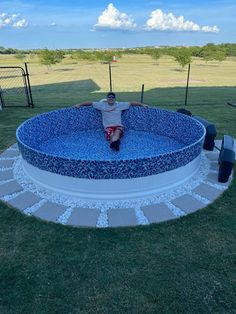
(111,98)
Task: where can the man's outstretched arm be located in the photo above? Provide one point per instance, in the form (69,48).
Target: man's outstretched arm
(85,103)
(137,103)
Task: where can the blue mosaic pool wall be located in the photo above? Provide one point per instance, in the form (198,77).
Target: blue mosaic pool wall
(175,125)
(48,125)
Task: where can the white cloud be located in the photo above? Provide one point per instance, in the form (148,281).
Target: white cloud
(53,24)
(12,20)
(208,29)
(20,24)
(168,22)
(113,19)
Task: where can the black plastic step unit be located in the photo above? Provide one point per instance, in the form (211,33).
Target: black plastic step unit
(209,142)
(184,111)
(226,159)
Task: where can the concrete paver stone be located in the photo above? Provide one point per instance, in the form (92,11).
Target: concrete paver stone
(214,166)
(6,163)
(10,153)
(6,175)
(187,203)
(157,212)
(118,217)
(10,188)
(85,217)
(212,156)
(50,211)
(24,200)
(208,191)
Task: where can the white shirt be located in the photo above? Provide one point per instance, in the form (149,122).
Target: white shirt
(111,114)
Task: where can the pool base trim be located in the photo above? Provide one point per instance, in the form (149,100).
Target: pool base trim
(115,189)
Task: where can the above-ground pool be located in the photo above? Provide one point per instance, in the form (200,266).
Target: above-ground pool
(66,150)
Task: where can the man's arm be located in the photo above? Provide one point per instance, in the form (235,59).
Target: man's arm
(85,103)
(137,103)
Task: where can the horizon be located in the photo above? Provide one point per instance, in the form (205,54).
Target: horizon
(104,24)
(119,48)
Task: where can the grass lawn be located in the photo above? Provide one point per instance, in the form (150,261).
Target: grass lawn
(181,266)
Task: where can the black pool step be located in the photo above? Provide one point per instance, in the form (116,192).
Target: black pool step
(226,158)
(185,111)
(209,142)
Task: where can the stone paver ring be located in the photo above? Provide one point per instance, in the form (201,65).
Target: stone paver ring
(19,191)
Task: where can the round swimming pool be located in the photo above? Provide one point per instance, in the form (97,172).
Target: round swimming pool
(66,150)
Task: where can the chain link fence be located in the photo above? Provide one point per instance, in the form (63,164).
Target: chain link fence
(15,87)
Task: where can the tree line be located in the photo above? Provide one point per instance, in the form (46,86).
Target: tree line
(183,55)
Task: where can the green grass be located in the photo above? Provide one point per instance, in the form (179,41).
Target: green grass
(181,266)
(184,266)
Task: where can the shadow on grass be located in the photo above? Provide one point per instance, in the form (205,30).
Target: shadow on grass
(68,93)
(89,90)
(57,94)
(175,96)
(180,70)
(208,102)
(63,70)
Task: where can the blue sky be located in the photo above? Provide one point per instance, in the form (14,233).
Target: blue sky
(105,24)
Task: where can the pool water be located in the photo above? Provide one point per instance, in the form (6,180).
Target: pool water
(90,145)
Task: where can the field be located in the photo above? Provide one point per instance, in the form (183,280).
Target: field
(181,266)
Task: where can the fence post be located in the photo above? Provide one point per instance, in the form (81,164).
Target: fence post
(29,87)
(110,76)
(1,99)
(142,93)
(186,92)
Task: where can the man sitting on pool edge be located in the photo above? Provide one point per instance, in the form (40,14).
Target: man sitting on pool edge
(111,117)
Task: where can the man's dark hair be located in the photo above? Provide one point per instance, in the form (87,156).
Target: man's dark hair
(111,94)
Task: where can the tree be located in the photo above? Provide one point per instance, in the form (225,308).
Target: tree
(83,55)
(183,56)
(212,52)
(195,51)
(155,53)
(2,49)
(50,57)
(10,51)
(105,56)
(220,55)
(59,55)
(100,55)
(230,49)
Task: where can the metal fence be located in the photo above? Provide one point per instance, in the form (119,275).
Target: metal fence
(15,90)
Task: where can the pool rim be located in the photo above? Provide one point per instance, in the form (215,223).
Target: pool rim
(96,160)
